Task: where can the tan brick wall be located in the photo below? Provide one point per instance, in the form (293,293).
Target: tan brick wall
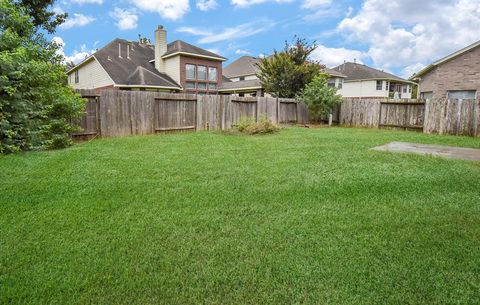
(460,73)
(184,60)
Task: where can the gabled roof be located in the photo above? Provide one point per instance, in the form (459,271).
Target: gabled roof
(134,70)
(245,65)
(182,47)
(334,73)
(357,72)
(445,59)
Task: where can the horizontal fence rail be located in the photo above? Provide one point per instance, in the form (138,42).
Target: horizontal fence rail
(113,113)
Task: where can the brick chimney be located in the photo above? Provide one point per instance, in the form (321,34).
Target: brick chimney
(160,48)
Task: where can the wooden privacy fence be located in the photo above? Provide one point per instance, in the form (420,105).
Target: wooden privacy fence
(113,113)
(458,117)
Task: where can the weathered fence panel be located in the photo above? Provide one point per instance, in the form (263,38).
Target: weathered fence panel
(287,111)
(90,123)
(175,113)
(457,117)
(123,113)
(360,112)
(402,114)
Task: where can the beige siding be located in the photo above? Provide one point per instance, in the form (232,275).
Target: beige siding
(363,89)
(90,76)
(172,68)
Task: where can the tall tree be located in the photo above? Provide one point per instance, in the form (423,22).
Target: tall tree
(285,73)
(36,105)
(41,15)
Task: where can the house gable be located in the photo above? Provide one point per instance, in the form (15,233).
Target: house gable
(91,75)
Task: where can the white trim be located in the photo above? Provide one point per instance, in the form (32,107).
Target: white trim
(147,86)
(194,55)
(83,62)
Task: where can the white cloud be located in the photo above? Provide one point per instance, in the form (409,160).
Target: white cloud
(126,20)
(77,56)
(247,3)
(230,33)
(242,52)
(206,5)
(409,34)
(214,50)
(335,56)
(168,9)
(311,4)
(194,31)
(78,20)
(87,1)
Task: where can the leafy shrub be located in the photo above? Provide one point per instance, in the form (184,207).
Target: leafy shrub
(249,126)
(36,104)
(319,98)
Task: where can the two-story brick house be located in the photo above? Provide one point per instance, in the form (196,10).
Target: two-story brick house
(456,76)
(170,67)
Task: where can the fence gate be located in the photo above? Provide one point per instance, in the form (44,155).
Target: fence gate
(175,115)
(90,123)
(408,115)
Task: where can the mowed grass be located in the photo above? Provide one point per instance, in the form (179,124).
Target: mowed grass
(305,216)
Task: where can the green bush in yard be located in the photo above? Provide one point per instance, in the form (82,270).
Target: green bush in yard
(36,104)
(248,125)
(319,97)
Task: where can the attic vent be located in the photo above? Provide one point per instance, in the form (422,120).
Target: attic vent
(108,58)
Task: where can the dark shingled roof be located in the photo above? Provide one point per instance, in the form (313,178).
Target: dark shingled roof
(244,84)
(356,71)
(334,73)
(245,65)
(133,71)
(182,46)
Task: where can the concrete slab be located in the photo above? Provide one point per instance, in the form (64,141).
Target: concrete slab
(471,154)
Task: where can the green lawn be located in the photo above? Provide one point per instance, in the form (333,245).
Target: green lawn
(306,216)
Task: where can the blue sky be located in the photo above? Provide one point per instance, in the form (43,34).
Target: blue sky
(399,36)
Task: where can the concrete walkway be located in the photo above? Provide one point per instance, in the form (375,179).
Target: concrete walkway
(471,154)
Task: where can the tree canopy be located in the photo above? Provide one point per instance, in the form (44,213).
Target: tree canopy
(285,73)
(36,105)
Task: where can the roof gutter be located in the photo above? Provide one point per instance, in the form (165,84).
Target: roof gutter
(147,86)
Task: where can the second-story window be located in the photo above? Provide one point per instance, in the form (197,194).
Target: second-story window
(212,74)
(201,73)
(190,71)
(379,84)
(77,78)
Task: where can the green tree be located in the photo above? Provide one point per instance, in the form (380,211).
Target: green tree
(40,15)
(285,73)
(319,97)
(36,105)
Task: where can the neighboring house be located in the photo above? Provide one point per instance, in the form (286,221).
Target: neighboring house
(364,81)
(240,78)
(456,76)
(336,79)
(173,67)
